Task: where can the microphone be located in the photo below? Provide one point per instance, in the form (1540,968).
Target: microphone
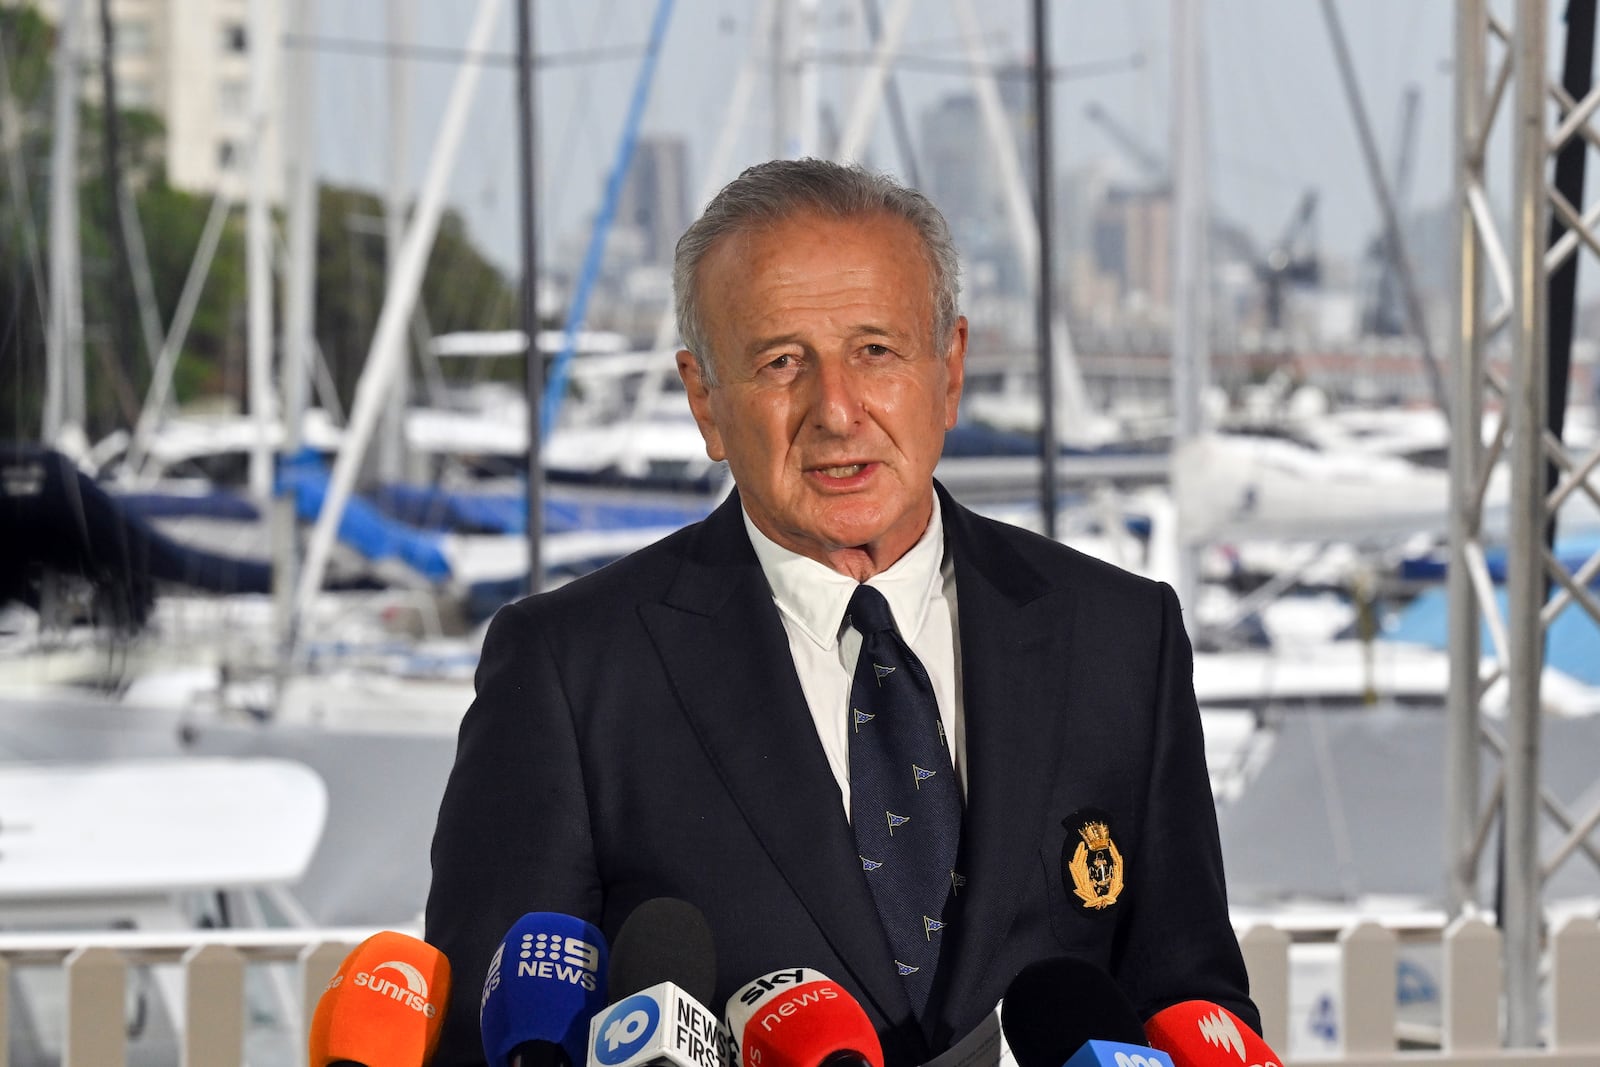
(546,980)
(666,953)
(1198,1033)
(1066,1012)
(801,1018)
(384,1007)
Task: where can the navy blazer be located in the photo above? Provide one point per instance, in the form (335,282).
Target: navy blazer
(641,732)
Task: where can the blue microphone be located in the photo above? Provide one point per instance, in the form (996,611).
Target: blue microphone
(545,982)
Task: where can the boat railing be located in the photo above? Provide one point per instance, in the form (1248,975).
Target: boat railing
(210,1015)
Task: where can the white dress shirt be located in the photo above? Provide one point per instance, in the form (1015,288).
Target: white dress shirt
(811,597)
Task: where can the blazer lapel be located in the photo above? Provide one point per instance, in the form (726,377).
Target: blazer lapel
(727,654)
(1014,637)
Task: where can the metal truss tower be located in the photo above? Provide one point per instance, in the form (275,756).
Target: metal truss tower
(1502,366)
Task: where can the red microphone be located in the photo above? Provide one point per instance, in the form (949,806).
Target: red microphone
(801,1018)
(1198,1033)
(384,1007)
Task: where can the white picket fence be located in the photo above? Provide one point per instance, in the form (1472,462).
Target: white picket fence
(207,975)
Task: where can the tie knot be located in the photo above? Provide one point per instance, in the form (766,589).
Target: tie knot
(869,612)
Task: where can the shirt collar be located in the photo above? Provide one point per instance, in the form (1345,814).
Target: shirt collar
(815,595)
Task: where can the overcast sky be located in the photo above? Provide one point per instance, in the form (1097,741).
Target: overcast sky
(1278,119)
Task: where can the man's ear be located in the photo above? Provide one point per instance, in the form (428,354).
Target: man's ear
(700,403)
(955,364)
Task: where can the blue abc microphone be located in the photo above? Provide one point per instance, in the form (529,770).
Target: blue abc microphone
(1066,1012)
(546,980)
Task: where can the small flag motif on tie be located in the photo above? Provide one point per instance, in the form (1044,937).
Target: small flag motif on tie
(921,775)
(957,882)
(882,672)
(903,969)
(930,927)
(862,717)
(870,865)
(896,820)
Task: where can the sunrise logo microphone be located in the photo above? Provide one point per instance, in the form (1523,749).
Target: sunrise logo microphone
(1067,1012)
(666,962)
(384,1007)
(544,984)
(1198,1033)
(801,1018)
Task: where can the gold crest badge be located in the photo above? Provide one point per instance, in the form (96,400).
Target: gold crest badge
(1096,867)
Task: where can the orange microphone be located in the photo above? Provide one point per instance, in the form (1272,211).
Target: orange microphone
(384,1007)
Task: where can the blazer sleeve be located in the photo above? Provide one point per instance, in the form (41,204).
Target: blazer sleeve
(513,834)
(1180,943)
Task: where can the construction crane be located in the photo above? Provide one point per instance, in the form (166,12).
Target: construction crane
(1292,260)
(1153,165)
(1385,311)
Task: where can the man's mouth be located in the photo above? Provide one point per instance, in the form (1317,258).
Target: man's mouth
(850,470)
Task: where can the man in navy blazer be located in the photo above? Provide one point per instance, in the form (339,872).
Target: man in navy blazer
(671,725)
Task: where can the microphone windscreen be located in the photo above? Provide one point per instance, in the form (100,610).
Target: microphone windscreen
(1054,1006)
(800,1018)
(545,982)
(665,940)
(1198,1033)
(385,1004)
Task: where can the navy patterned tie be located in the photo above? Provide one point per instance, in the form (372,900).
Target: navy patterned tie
(905,803)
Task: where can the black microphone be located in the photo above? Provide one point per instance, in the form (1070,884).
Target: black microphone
(666,960)
(1067,1011)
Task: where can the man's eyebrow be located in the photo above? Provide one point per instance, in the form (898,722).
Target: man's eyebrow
(865,329)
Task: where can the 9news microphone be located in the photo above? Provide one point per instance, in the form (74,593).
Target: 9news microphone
(384,1006)
(665,953)
(1198,1033)
(1066,1012)
(801,1018)
(546,980)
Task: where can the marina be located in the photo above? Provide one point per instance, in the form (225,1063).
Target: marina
(277,447)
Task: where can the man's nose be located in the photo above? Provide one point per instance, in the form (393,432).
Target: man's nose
(836,398)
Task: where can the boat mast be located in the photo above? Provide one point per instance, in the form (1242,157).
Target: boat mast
(1044,163)
(299,297)
(528,304)
(377,374)
(65,406)
(1191,350)
(391,459)
(258,255)
(795,96)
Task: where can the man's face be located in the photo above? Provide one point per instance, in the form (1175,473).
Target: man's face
(831,400)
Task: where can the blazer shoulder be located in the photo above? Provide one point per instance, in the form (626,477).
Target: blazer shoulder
(602,594)
(1060,565)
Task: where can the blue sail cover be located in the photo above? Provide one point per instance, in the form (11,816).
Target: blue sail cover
(363,527)
(1572,646)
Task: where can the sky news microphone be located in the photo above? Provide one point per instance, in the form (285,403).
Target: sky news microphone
(801,1018)
(545,982)
(384,1006)
(1198,1033)
(1066,1012)
(666,962)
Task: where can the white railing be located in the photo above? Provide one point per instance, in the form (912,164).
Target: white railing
(210,1017)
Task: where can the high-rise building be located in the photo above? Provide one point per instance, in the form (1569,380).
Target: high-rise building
(655,197)
(188,62)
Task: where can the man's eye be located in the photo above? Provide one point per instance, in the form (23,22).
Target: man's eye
(877,350)
(781,363)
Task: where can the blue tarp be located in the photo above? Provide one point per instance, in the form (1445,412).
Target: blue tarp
(506,512)
(363,527)
(217,504)
(1573,645)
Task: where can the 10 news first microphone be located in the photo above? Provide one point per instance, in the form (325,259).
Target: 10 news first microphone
(545,1005)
